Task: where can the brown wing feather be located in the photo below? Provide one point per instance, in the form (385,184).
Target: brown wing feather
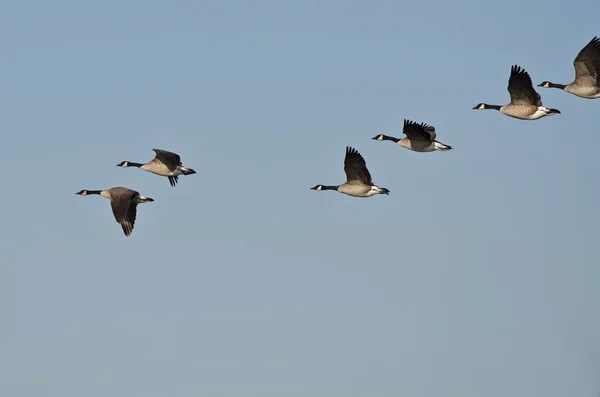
(587,64)
(124,209)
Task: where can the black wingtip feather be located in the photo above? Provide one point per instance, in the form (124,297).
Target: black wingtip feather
(351,151)
(408,122)
(595,44)
(516,69)
(172,180)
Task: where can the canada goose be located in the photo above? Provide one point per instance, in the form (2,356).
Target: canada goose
(358,179)
(525,102)
(124,204)
(419,138)
(164,164)
(587,70)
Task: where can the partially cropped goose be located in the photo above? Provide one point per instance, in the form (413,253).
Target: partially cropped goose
(587,73)
(358,179)
(164,164)
(124,204)
(525,102)
(419,138)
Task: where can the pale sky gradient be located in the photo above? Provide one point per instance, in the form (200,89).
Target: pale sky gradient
(478,276)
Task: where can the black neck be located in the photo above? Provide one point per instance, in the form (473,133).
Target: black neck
(132,164)
(93,191)
(494,107)
(554,85)
(326,187)
(389,138)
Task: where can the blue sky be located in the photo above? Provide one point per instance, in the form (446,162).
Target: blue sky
(478,275)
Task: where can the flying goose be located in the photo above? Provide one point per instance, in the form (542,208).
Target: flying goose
(419,138)
(164,164)
(358,179)
(587,73)
(525,102)
(124,204)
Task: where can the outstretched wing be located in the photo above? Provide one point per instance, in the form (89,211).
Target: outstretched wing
(521,88)
(170,159)
(587,64)
(355,167)
(125,211)
(419,131)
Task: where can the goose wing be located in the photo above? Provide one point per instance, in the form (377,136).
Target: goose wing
(170,159)
(521,88)
(587,64)
(124,208)
(416,131)
(355,167)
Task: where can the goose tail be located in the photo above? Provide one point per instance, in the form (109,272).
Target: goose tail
(441,146)
(381,190)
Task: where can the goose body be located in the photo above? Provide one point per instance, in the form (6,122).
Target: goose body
(358,179)
(165,163)
(525,102)
(123,202)
(419,138)
(587,73)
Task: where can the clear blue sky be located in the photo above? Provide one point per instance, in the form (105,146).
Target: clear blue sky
(478,276)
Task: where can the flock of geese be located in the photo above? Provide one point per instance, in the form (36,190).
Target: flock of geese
(525,104)
(124,201)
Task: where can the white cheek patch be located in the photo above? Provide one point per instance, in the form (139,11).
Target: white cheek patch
(319,187)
